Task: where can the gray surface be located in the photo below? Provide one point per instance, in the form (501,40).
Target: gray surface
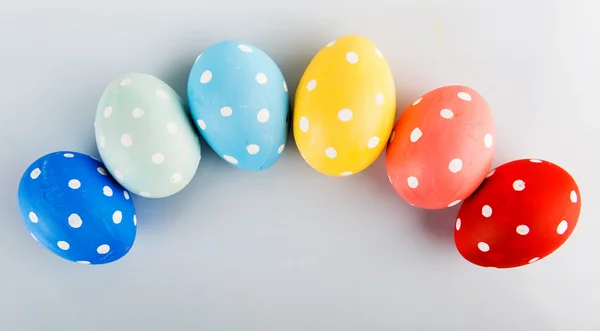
(289,249)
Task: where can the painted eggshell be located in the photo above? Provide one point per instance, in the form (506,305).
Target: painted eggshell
(344,107)
(441,147)
(239,101)
(144,136)
(73,207)
(523,211)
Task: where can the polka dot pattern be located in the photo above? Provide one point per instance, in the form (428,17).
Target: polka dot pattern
(436,138)
(523,212)
(150,129)
(70,219)
(325,115)
(245,126)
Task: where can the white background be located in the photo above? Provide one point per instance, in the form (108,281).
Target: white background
(289,249)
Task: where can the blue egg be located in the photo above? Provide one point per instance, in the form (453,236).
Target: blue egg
(72,206)
(239,100)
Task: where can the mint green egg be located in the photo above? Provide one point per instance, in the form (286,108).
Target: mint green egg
(144,137)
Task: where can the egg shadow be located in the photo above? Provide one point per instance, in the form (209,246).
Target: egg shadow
(438,225)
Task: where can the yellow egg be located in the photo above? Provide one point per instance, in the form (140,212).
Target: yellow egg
(344,107)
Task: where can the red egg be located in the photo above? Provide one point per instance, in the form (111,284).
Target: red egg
(522,212)
(441,147)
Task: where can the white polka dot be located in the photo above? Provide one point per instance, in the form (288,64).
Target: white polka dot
(134,220)
(226,111)
(69,155)
(103,249)
(378,52)
(172,128)
(74,184)
(522,229)
(145,194)
(454,203)
(33,217)
(125,82)
(490,173)
(246,49)
(63,245)
(455,165)
(331,153)
(331,43)
(36,239)
(352,57)
(535,161)
(304,124)
(345,115)
(486,211)
(280,149)
(446,113)
(158,158)
(263,115)
(415,135)
(392,136)
(417,101)
(230,159)
(161,94)
(518,185)
(458,224)
(126,195)
(35,173)
(379,99)
(535,259)
(126,140)
(107,191)
(390,179)
(346,173)
(206,77)
(201,124)
(562,227)
(101,141)
(117,217)
(252,149)
(198,58)
(75,221)
(119,175)
(285,86)
(176,177)
(573,196)
(137,113)
(412,182)
(488,140)
(373,142)
(83,262)
(261,78)
(311,85)
(464,96)
(483,247)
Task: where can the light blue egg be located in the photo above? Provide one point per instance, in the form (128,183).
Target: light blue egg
(72,206)
(239,100)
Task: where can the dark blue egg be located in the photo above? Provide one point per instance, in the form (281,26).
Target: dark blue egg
(72,206)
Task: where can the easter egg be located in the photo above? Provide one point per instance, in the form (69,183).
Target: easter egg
(521,213)
(441,147)
(72,206)
(239,101)
(144,136)
(344,107)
